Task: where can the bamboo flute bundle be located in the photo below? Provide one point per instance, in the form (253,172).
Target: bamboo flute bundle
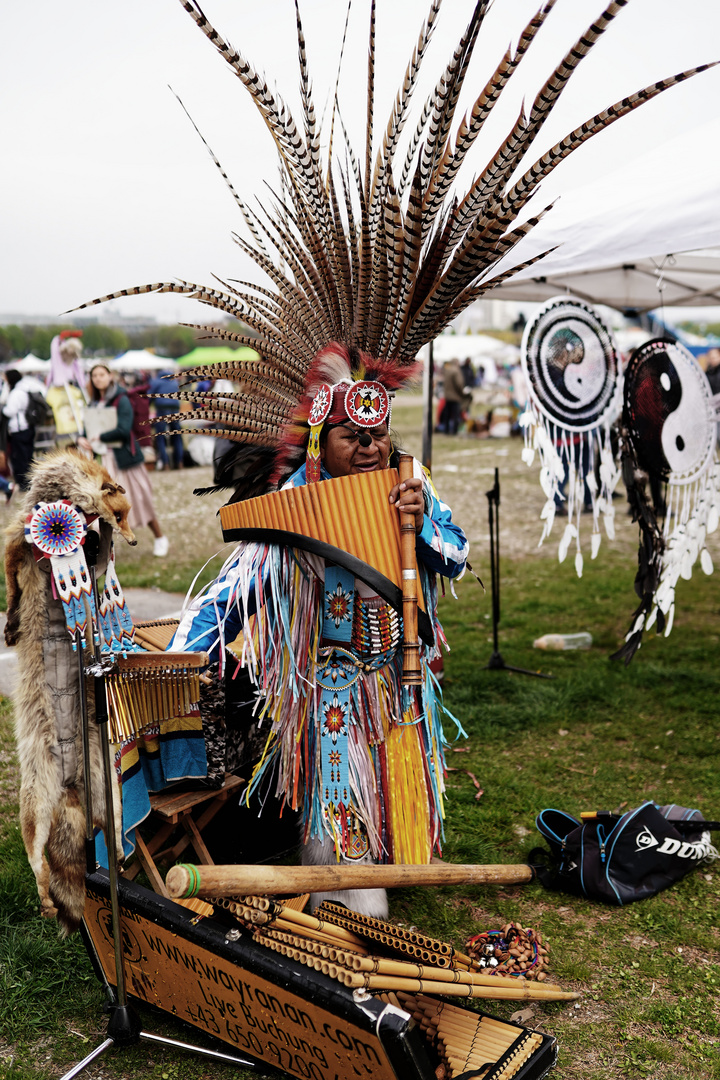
(430,1009)
(529,992)
(250,916)
(409,942)
(334,971)
(379,966)
(287,918)
(316,948)
(464,1036)
(155,635)
(337,911)
(385,982)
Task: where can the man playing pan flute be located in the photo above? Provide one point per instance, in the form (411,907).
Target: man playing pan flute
(367,254)
(358,753)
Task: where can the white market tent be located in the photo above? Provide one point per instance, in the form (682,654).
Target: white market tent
(687,279)
(484,351)
(643,236)
(141,360)
(31,365)
(475,346)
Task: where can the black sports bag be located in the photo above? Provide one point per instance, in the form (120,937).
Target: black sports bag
(619,859)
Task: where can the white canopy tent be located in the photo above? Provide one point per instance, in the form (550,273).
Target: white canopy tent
(484,351)
(141,360)
(643,236)
(688,279)
(31,365)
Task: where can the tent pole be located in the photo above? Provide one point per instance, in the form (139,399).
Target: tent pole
(427,426)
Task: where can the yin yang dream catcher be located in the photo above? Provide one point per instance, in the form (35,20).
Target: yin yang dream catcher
(671,473)
(572,371)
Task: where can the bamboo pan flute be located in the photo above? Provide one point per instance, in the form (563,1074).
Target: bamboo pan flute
(187,880)
(492,1049)
(336,942)
(150,687)
(351,513)
(156,634)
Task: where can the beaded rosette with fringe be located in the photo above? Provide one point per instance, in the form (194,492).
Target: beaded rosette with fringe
(394,742)
(572,370)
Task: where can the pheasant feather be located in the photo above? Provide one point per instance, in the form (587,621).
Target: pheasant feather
(373,251)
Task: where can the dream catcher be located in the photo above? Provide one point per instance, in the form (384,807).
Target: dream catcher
(572,370)
(672,477)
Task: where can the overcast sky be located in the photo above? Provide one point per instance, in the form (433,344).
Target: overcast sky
(105,184)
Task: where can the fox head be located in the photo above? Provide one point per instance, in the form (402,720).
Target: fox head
(116,508)
(68,474)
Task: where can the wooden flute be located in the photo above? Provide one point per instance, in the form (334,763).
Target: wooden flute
(187,880)
(411,643)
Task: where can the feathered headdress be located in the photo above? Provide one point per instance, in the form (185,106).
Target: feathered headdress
(374,253)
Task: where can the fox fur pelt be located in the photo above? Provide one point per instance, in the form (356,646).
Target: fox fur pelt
(48,725)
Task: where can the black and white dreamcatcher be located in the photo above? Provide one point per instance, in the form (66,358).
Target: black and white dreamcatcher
(572,369)
(672,477)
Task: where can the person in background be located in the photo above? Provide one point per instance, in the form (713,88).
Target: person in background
(468,373)
(166,420)
(137,385)
(66,365)
(21,435)
(712,372)
(457,397)
(6,486)
(124,462)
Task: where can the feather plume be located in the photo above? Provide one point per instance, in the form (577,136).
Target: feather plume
(374,255)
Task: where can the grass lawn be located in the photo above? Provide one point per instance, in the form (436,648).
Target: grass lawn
(596,736)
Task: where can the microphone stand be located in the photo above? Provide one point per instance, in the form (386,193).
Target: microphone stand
(124,1025)
(496,661)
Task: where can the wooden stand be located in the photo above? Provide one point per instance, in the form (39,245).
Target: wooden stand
(173,810)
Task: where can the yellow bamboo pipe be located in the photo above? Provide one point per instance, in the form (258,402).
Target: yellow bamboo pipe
(379,966)
(467,1031)
(185,880)
(432,1009)
(530,992)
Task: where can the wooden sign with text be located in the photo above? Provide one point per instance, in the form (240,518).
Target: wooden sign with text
(263,1005)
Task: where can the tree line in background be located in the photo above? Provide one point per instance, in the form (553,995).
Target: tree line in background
(704,329)
(171,341)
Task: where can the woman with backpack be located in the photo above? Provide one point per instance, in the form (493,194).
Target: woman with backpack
(123,458)
(20,423)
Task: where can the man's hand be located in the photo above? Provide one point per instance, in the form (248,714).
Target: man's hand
(409,498)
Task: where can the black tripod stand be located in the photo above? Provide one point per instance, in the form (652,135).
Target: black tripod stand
(124,1026)
(496,662)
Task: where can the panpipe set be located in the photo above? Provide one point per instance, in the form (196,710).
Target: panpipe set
(155,636)
(148,688)
(352,515)
(488,1048)
(337,942)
